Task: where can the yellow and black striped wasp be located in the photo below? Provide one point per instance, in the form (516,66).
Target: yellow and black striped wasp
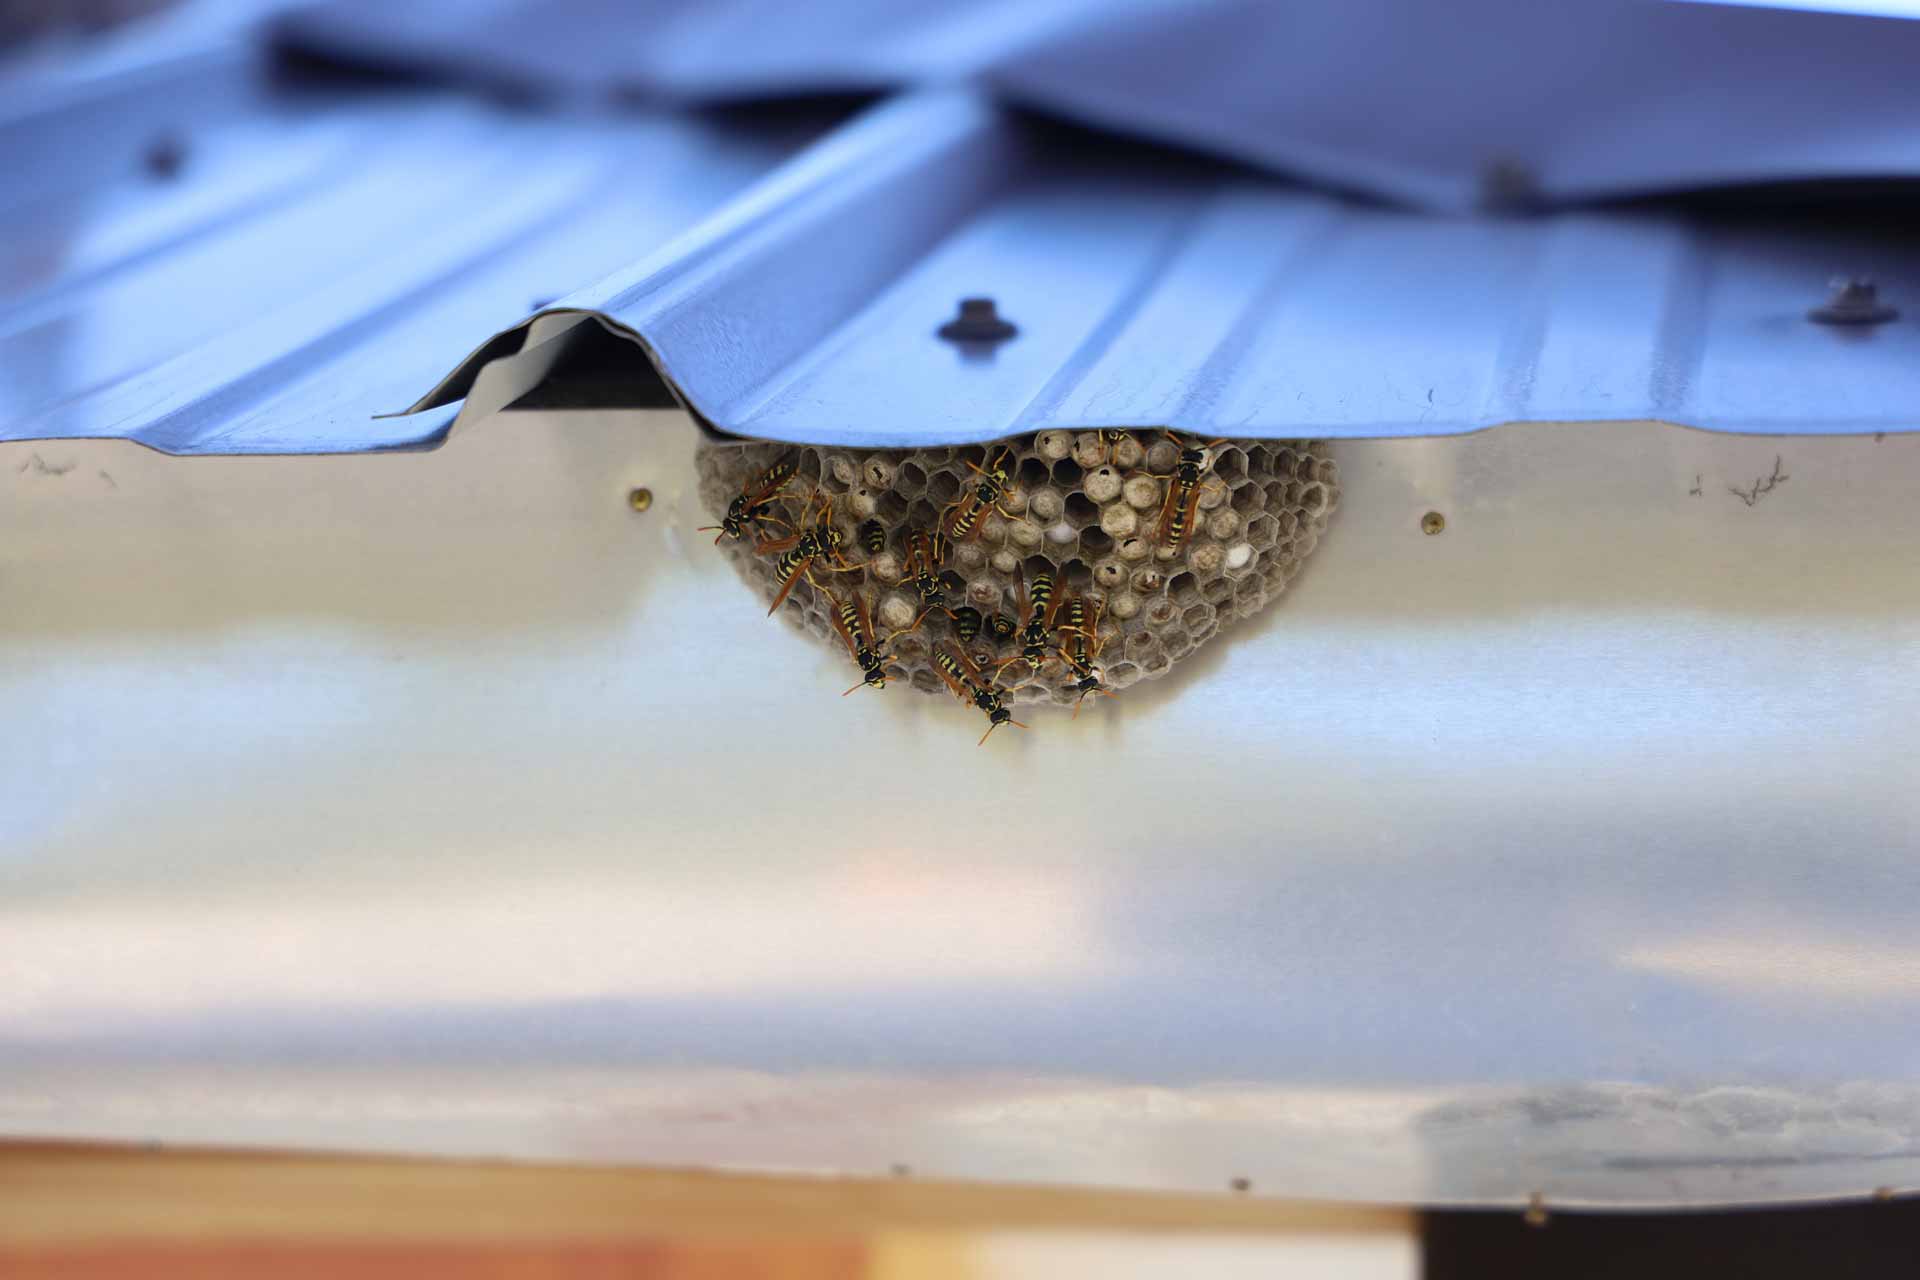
(1082,649)
(967,684)
(963,514)
(966,623)
(926,556)
(1038,605)
(872,536)
(754,507)
(1183,491)
(853,619)
(818,539)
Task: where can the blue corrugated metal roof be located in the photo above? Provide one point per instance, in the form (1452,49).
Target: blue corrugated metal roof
(320,257)
(1149,290)
(1434,105)
(314,257)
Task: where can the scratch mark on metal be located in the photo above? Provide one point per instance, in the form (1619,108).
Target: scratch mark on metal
(41,467)
(1761,487)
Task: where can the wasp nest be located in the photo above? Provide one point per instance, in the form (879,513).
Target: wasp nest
(1085,508)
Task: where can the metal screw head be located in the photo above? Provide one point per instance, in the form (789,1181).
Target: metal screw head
(1433,522)
(1852,300)
(640,499)
(978,320)
(164,156)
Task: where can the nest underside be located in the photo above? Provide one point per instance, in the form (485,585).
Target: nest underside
(1084,507)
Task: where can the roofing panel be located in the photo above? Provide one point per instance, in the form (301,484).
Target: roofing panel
(318,257)
(304,259)
(1441,106)
(1156,290)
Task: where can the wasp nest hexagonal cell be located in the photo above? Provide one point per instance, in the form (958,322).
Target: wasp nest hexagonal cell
(1083,507)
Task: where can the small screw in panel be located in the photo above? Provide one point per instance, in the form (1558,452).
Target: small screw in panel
(1852,300)
(165,156)
(1433,522)
(979,320)
(640,499)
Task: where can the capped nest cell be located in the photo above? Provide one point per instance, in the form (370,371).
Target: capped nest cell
(1085,508)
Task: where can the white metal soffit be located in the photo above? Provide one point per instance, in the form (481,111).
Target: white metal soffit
(207,260)
(1149,290)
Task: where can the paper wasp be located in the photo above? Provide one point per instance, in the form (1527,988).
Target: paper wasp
(853,619)
(1038,607)
(964,512)
(966,623)
(964,679)
(754,507)
(926,554)
(1082,649)
(872,536)
(1183,491)
(799,552)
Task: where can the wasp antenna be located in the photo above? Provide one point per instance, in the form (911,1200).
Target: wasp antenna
(857,688)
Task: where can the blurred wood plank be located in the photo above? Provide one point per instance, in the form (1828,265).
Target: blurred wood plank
(652,1260)
(61,1194)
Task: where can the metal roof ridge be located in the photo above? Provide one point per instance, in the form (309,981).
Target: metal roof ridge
(775,271)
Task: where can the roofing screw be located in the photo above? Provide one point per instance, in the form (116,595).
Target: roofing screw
(978,321)
(1433,522)
(164,156)
(640,499)
(1852,300)
(1536,1214)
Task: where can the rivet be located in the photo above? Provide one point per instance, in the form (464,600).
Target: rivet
(1242,1185)
(640,499)
(978,320)
(1536,1214)
(1852,300)
(1433,522)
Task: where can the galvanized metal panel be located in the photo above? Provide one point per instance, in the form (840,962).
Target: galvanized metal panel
(1152,291)
(316,256)
(441,802)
